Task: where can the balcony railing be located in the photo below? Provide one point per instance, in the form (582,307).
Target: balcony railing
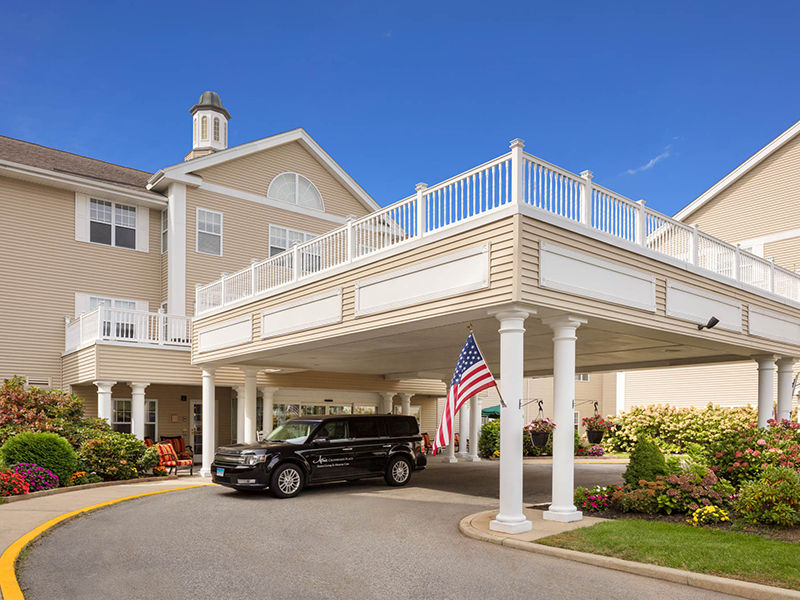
(131,326)
(514,178)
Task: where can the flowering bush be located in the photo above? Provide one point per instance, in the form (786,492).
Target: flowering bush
(596,450)
(113,455)
(596,423)
(595,499)
(47,450)
(708,515)
(13,484)
(82,477)
(774,499)
(38,478)
(693,489)
(674,428)
(545,425)
(162,471)
(149,460)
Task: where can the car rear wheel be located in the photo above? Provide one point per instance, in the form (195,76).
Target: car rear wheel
(398,471)
(286,481)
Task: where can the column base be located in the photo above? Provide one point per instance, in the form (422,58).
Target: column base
(512,528)
(562,517)
(204,472)
(473,459)
(449,459)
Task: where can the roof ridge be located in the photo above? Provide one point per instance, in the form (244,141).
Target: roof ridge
(76,154)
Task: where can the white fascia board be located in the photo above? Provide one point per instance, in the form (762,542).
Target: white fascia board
(295,135)
(738,172)
(80,184)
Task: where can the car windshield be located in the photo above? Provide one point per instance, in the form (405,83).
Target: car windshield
(292,432)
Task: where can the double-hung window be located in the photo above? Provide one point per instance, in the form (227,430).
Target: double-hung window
(112,224)
(209,232)
(121,419)
(151,419)
(282,239)
(117,319)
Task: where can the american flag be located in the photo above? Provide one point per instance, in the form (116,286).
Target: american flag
(470,377)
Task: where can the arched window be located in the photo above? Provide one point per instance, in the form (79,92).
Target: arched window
(216,129)
(194,140)
(293,188)
(204,128)
(225,132)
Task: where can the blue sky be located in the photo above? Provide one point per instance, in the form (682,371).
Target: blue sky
(658,100)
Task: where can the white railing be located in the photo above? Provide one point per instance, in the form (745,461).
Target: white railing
(120,325)
(514,178)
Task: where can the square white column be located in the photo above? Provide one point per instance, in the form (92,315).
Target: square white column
(785,366)
(138,409)
(766,387)
(104,399)
(248,409)
(209,406)
(562,508)
(511,518)
(474,428)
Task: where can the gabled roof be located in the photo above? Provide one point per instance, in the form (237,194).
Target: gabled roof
(739,171)
(66,163)
(184,171)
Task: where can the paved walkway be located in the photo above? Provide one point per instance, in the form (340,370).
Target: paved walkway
(362,540)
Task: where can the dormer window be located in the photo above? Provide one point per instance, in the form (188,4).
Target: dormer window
(293,188)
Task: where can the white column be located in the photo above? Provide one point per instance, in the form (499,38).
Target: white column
(239,413)
(137,409)
(511,519)
(785,387)
(766,387)
(249,408)
(209,425)
(176,246)
(463,427)
(474,428)
(449,455)
(268,398)
(104,399)
(385,403)
(620,393)
(405,404)
(562,508)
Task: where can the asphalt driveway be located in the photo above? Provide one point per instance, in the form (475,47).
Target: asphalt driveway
(350,541)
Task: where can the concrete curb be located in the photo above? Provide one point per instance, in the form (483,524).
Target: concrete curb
(744,589)
(85,486)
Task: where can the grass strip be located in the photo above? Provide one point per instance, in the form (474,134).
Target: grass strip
(725,553)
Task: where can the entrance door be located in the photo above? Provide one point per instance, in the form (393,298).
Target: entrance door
(196,428)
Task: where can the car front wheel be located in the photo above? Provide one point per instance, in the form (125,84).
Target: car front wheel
(398,471)
(286,481)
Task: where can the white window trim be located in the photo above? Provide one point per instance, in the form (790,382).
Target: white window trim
(114,412)
(114,224)
(82,301)
(582,377)
(306,234)
(146,422)
(297,177)
(197,230)
(164,229)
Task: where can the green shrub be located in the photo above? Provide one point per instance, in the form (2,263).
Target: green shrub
(773,499)
(149,459)
(646,463)
(113,455)
(489,441)
(637,499)
(47,450)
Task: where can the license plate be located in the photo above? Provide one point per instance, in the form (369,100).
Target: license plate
(220,472)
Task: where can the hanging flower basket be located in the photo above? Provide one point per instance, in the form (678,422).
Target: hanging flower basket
(595,437)
(596,426)
(539,429)
(539,438)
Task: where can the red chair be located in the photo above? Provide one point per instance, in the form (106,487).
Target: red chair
(148,442)
(168,459)
(181,450)
(427,447)
(457,442)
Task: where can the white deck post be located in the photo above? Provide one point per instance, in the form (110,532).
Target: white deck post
(517,171)
(737,263)
(268,399)
(694,246)
(463,428)
(295,262)
(405,404)
(209,408)
(104,399)
(785,387)
(511,518)
(422,211)
(772,275)
(249,405)
(253,262)
(586,198)
(350,240)
(766,376)
(137,409)
(563,509)
(474,428)
(641,223)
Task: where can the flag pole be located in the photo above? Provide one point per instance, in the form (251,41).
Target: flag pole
(497,387)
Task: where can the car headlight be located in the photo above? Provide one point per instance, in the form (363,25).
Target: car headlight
(253,459)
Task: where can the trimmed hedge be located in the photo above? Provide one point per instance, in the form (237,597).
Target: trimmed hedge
(646,463)
(47,450)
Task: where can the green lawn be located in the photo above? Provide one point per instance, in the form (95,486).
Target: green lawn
(729,554)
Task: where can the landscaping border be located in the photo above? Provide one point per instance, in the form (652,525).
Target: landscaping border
(735,587)
(85,486)
(9,586)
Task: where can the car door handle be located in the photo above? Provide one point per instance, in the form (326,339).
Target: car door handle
(387,445)
(346,449)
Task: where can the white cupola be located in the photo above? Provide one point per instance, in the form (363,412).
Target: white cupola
(209,126)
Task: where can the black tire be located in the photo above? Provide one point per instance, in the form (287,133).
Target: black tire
(287,481)
(398,471)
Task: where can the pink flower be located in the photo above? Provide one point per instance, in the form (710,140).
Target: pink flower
(761,442)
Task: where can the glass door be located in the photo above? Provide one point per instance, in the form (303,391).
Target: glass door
(197,430)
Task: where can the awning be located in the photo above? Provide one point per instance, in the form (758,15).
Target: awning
(492,412)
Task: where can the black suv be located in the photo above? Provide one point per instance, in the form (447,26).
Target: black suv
(331,448)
